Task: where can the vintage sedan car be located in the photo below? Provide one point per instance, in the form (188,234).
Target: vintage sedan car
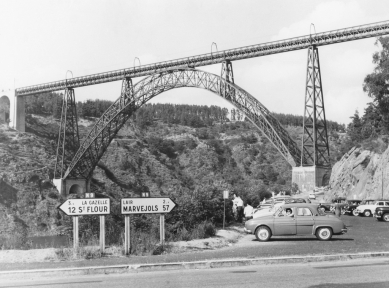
(350,207)
(368,207)
(296,219)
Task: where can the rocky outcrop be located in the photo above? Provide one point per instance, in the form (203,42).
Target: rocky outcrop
(360,174)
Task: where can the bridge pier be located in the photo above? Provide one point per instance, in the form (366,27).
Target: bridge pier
(78,187)
(307,178)
(17,111)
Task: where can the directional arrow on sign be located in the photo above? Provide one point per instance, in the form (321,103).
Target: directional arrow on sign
(147,205)
(87,206)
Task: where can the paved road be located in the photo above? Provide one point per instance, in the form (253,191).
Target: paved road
(366,234)
(372,273)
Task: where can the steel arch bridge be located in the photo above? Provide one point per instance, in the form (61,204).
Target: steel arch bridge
(134,96)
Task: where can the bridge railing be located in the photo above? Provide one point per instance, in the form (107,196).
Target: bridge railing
(280,46)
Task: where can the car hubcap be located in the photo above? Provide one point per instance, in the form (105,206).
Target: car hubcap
(355,213)
(367,213)
(386,217)
(262,234)
(324,233)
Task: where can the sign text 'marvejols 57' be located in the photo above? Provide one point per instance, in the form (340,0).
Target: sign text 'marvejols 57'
(147,205)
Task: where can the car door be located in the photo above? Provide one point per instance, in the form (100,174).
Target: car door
(304,221)
(283,224)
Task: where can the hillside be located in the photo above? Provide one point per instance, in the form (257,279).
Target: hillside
(189,164)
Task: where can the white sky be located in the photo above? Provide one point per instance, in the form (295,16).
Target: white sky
(41,40)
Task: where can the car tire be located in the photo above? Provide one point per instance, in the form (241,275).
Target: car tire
(355,212)
(324,233)
(367,213)
(263,233)
(385,217)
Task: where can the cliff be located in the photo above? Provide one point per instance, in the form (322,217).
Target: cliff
(360,174)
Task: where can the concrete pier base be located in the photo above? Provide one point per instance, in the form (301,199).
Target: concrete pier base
(72,186)
(307,178)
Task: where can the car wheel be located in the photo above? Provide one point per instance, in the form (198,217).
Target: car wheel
(355,212)
(385,217)
(263,233)
(367,213)
(324,233)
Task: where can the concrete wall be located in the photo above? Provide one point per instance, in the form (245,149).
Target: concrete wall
(64,186)
(17,113)
(307,178)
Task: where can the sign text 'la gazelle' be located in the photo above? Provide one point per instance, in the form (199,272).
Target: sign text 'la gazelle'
(147,205)
(87,206)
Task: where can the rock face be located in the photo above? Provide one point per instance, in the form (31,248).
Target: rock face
(360,174)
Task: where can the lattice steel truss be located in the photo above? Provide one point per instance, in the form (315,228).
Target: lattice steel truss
(227,75)
(292,44)
(315,149)
(68,137)
(132,98)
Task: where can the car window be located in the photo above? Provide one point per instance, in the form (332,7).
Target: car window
(386,203)
(380,203)
(321,212)
(304,212)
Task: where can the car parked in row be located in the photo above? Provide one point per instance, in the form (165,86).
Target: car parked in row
(296,219)
(368,207)
(350,207)
(382,213)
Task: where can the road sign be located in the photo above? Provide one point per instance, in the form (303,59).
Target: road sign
(225,194)
(78,207)
(147,205)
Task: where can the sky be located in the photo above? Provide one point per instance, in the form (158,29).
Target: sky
(40,41)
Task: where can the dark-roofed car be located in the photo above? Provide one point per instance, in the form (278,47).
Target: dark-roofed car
(296,219)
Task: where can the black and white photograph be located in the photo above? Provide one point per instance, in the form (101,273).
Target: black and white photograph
(194,143)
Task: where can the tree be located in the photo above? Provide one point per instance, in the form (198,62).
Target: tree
(376,84)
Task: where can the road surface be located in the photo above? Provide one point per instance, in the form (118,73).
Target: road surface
(372,273)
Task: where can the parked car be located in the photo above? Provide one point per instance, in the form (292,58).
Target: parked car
(368,207)
(350,207)
(382,213)
(312,196)
(305,219)
(330,207)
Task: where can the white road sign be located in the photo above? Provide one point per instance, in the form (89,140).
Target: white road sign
(147,205)
(87,206)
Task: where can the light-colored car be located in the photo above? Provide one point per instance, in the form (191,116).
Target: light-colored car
(305,219)
(367,209)
(312,196)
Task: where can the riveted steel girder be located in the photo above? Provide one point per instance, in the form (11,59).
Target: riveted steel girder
(292,44)
(315,149)
(132,98)
(68,137)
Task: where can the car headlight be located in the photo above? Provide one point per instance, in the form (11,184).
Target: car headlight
(379,212)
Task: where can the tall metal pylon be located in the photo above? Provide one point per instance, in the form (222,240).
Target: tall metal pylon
(315,149)
(227,74)
(68,138)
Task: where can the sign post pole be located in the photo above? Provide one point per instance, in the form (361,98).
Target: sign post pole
(127,239)
(225,196)
(75,232)
(162,229)
(102,233)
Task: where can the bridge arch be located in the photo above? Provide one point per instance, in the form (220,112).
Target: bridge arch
(133,97)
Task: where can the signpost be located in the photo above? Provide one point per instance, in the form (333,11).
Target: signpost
(87,206)
(225,196)
(131,206)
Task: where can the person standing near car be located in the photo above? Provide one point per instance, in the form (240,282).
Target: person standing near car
(337,210)
(238,203)
(248,211)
